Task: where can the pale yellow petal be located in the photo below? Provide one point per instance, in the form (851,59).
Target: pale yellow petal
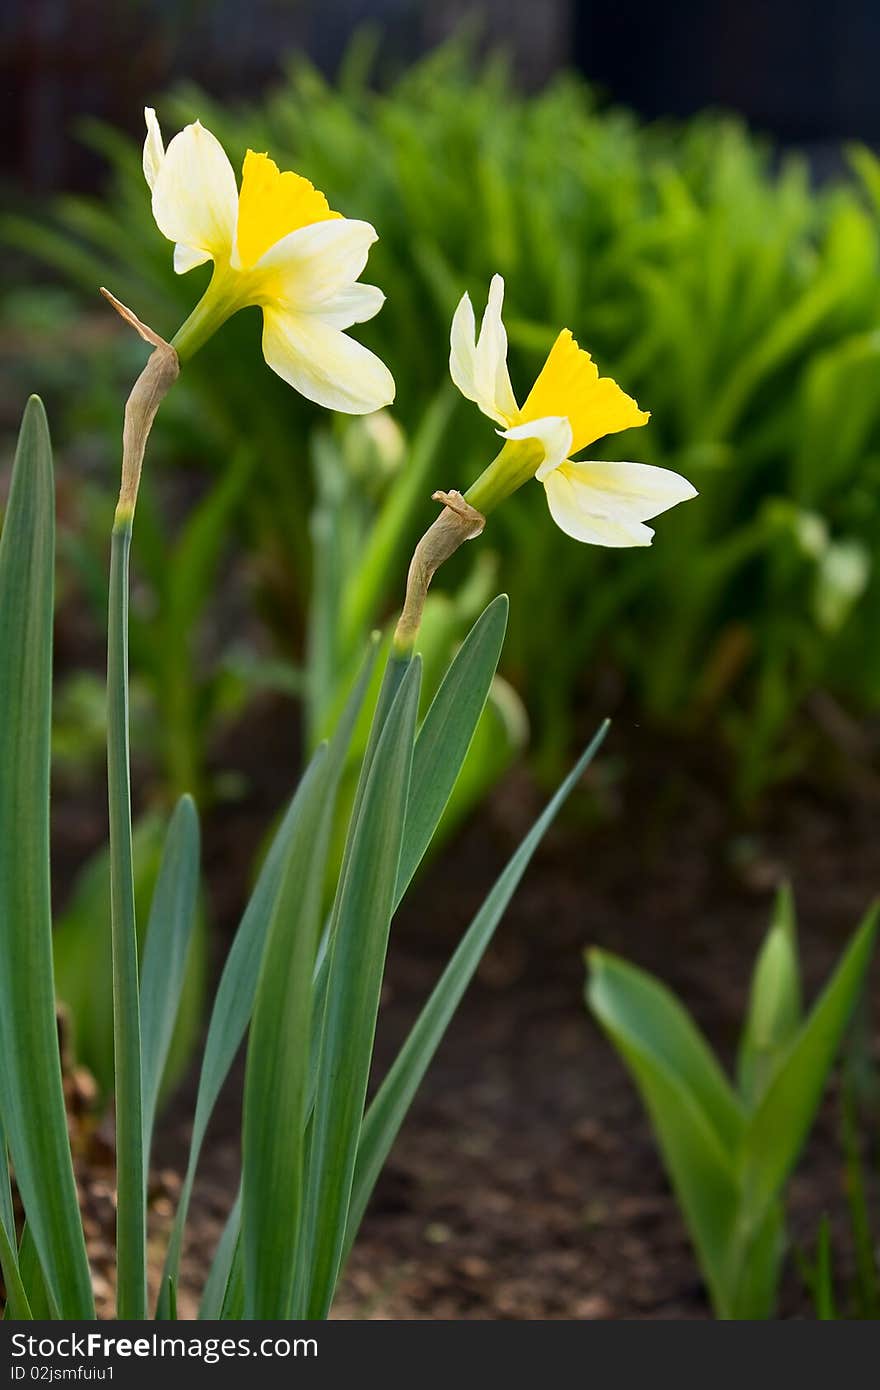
(195,200)
(569,384)
(186,258)
(633,490)
(462,349)
(554,435)
(491,355)
(323,364)
(607,503)
(357,304)
(479,368)
(154,150)
(313,265)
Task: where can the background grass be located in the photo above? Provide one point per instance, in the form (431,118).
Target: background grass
(736,300)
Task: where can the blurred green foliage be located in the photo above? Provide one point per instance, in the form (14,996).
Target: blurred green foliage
(738,303)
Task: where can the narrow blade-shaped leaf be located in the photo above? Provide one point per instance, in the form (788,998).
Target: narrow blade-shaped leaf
(227,1253)
(7,1214)
(394,1097)
(788,1105)
(647,1015)
(276,1076)
(698,1159)
(446,733)
(823,1277)
(31,1098)
(43,1306)
(359,937)
(232,1308)
(230,1016)
(169,932)
(234,1000)
(755,1263)
(17,1305)
(774,1012)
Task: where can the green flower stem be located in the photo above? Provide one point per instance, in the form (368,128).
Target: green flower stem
(131,1175)
(517,463)
(220,301)
(146,396)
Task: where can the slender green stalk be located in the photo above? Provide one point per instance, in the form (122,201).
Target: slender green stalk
(147,394)
(131,1178)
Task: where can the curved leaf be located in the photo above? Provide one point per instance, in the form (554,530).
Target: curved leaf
(31,1098)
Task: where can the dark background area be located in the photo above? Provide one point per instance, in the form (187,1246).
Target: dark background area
(803,72)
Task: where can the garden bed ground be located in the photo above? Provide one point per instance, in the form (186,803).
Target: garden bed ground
(525,1183)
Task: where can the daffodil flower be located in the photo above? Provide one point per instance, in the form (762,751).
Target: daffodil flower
(569,407)
(277,244)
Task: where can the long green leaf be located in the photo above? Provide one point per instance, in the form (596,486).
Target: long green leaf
(31,1097)
(755,1263)
(17,1305)
(277,1071)
(698,1159)
(43,1306)
(774,1012)
(823,1277)
(782,1119)
(446,733)
(642,1010)
(227,1254)
(394,1097)
(169,932)
(7,1214)
(230,1015)
(867,1284)
(232,1309)
(359,936)
(235,995)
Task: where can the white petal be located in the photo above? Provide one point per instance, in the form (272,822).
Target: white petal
(636,491)
(154,150)
(606,503)
(358,304)
(462,349)
(315,263)
(479,368)
(323,364)
(186,258)
(572,508)
(195,198)
(554,433)
(493,377)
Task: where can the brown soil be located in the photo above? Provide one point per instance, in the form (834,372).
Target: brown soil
(525,1183)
